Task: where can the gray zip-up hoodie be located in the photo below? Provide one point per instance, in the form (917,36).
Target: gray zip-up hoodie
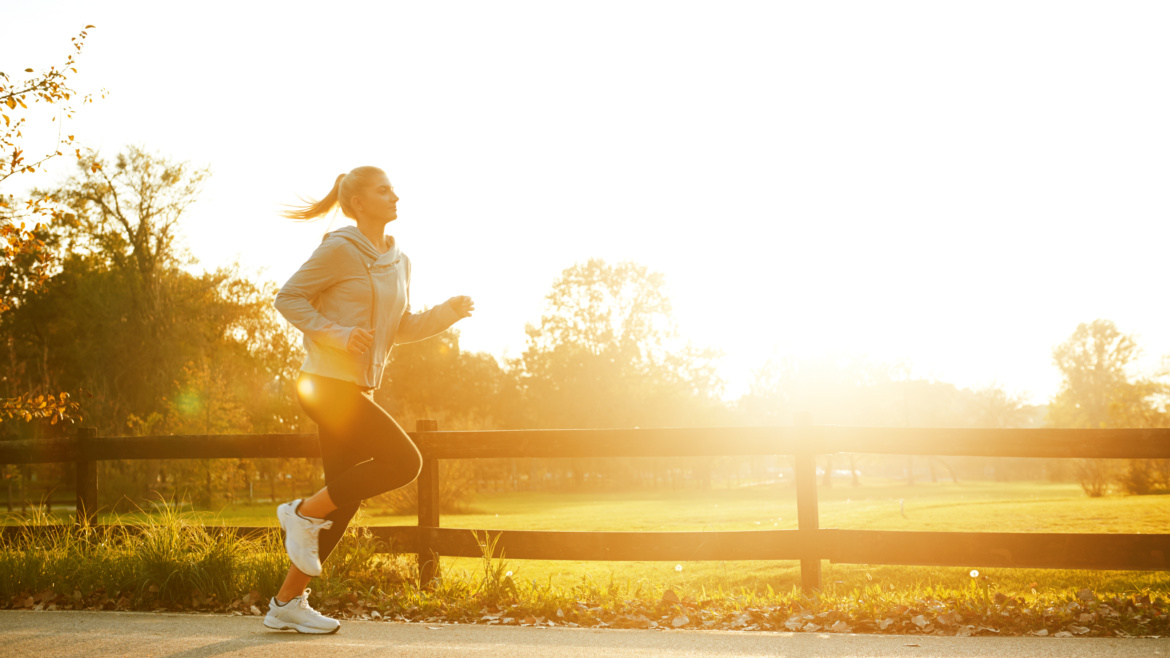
(345,284)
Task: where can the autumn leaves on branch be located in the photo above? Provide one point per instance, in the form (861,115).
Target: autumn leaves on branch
(17,241)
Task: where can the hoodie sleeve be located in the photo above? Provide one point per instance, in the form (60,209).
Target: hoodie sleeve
(294,301)
(419,326)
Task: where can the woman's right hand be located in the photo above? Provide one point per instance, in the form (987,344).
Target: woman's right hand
(360,341)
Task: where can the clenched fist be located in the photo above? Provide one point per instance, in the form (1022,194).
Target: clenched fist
(360,340)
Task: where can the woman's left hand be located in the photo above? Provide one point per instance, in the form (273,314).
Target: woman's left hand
(463,306)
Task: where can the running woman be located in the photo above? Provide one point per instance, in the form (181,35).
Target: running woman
(351,300)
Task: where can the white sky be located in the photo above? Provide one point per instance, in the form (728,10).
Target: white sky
(956,184)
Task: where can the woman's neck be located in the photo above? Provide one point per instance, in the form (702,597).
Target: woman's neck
(374,233)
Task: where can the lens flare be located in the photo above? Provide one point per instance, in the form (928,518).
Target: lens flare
(305,388)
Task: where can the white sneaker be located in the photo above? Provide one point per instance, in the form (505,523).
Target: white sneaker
(298,616)
(300,537)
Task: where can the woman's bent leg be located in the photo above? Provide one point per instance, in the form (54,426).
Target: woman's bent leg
(364,452)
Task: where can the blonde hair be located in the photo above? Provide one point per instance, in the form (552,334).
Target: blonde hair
(345,186)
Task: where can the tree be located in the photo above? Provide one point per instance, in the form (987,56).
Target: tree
(158,349)
(24,255)
(1100,390)
(607,353)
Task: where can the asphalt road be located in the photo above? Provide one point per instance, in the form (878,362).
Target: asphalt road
(27,634)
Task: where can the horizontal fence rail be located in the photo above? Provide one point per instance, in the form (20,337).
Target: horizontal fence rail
(667,442)
(809,544)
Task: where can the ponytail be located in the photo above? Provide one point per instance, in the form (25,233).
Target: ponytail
(314,209)
(344,188)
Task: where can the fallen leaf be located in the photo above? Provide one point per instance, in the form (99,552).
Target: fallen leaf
(840,627)
(1063,634)
(1042,632)
(679,621)
(669,597)
(254,610)
(811,627)
(885,623)
(919,621)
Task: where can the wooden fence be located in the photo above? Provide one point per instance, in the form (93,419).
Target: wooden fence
(809,543)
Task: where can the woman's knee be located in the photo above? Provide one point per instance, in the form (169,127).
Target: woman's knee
(400,471)
(407,469)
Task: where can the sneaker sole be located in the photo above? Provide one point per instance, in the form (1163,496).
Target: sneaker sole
(281,626)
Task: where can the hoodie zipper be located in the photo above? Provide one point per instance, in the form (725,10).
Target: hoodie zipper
(373,314)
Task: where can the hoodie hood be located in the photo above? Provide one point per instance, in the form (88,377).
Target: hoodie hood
(359,240)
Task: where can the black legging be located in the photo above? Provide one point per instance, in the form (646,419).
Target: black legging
(364,452)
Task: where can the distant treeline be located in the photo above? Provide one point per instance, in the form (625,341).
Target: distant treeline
(144,346)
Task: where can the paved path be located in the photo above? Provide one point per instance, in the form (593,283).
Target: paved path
(28,634)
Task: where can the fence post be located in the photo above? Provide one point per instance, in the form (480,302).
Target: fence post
(428,510)
(87,483)
(807,515)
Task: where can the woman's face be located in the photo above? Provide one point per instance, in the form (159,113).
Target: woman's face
(378,200)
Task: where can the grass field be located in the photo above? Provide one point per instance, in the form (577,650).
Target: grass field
(889,505)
